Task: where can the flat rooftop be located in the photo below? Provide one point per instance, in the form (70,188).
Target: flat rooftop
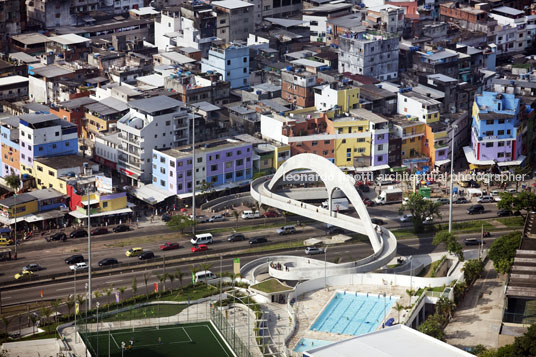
(64,162)
(206,146)
(5,81)
(231,4)
(69,39)
(31,38)
(155,104)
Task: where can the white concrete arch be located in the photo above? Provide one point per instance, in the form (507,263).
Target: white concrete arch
(333,178)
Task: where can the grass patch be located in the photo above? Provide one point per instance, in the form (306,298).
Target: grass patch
(512,221)
(429,271)
(144,312)
(271,286)
(457,227)
(134,242)
(244,228)
(193,292)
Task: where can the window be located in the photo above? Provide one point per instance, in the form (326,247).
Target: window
(508,132)
(217,156)
(500,132)
(245,60)
(189,173)
(381,136)
(179,186)
(162,170)
(154,166)
(239,173)
(199,159)
(51,173)
(501,154)
(229,154)
(380,158)
(489,145)
(40,168)
(66,143)
(53,146)
(325,152)
(214,167)
(228,62)
(344,141)
(172,163)
(361,140)
(314,143)
(104,204)
(228,164)
(57,133)
(40,148)
(189,162)
(380,147)
(327,141)
(239,162)
(229,176)
(489,122)
(361,150)
(168,123)
(162,183)
(500,143)
(501,121)
(162,159)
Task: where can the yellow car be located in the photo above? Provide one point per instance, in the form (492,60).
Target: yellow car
(25,274)
(5,241)
(134,252)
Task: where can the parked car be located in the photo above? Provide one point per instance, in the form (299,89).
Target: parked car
(79,266)
(108,261)
(57,236)
(199,248)
(331,229)
(377,221)
(166,217)
(79,233)
(283,231)
(504,213)
(200,219)
(313,250)
(32,267)
(486,199)
(134,252)
(217,218)
(511,190)
(99,231)
(169,246)
(121,228)
(473,241)
(258,240)
(146,255)
(443,201)
(368,203)
(460,200)
(270,214)
(25,274)
(406,218)
(428,220)
(474,184)
(475,209)
(73,259)
(235,237)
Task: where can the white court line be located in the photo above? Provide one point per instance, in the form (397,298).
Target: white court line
(115,341)
(187,334)
(62,289)
(224,350)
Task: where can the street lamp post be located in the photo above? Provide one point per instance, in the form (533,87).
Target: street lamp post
(193,173)
(89,244)
(325,268)
(453,127)
(97,304)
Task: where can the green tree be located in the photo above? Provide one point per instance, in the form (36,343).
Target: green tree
(420,209)
(236,215)
(194,269)
(108,292)
(433,326)
(56,307)
(162,279)
(121,290)
(523,201)
(445,307)
(472,269)
(524,345)
(45,315)
(146,280)
(205,267)
(503,250)
(81,299)
(70,303)
(171,277)
(179,275)
(97,294)
(508,202)
(399,307)
(134,286)
(33,318)
(204,189)
(451,242)
(180,223)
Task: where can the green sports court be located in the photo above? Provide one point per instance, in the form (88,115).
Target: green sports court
(192,339)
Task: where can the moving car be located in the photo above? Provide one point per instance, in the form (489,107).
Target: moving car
(134,252)
(5,241)
(313,250)
(286,230)
(475,209)
(250,215)
(203,238)
(406,218)
(368,202)
(32,267)
(121,228)
(108,261)
(235,237)
(270,214)
(79,266)
(258,240)
(334,229)
(460,200)
(199,248)
(79,233)
(473,241)
(169,246)
(146,255)
(428,220)
(73,259)
(57,236)
(486,199)
(443,201)
(377,221)
(217,218)
(25,274)
(504,213)
(99,231)
(200,218)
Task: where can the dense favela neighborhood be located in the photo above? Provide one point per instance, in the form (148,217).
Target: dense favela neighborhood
(287,178)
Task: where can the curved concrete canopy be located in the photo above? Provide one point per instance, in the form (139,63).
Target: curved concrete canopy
(333,178)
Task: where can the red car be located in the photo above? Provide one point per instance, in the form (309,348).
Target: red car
(269,214)
(368,202)
(199,248)
(169,246)
(99,231)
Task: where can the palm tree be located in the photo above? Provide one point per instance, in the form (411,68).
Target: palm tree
(179,275)
(109,291)
(13,181)
(398,307)
(171,277)
(445,307)
(146,279)
(236,215)
(6,321)
(205,267)
(46,312)
(162,279)
(80,299)
(121,290)
(70,303)
(134,286)
(194,269)
(56,306)
(33,318)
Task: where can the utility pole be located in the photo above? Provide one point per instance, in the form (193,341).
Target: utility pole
(193,173)
(453,127)
(89,246)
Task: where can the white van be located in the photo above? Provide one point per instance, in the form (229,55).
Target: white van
(205,238)
(250,214)
(204,276)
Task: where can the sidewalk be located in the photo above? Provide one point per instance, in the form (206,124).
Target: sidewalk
(478,318)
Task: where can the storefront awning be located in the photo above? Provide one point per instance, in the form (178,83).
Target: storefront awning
(517,162)
(442,162)
(91,202)
(471,158)
(372,168)
(43,216)
(80,215)
(151,194)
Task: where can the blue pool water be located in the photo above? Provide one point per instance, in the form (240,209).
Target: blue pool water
(353,314)
(309,343)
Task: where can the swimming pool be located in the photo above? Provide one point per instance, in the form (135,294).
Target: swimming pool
(351,313)
(306,344)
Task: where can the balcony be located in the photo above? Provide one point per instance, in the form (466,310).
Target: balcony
(130,140)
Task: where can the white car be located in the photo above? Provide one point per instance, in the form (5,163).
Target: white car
(406,218)
(428,220)
(217,218)
(79,266)
(405,201)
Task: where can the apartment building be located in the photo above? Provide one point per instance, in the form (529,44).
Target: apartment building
(337,95)
(297,86)
(218,163)
(196,88)
(153,123)
(13,87)
(316,18)
(232,62)
(57,13)
(386,18)
(412,135)
(235,20)
(10,17)
(422,107)
(9,139)
(371,54)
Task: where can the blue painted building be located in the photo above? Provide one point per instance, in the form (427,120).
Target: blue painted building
(222,163)
(232,62)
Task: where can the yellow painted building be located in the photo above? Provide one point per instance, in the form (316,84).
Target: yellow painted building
(412,138)
(18,206)
(346,150)
(281,154)
(342,96)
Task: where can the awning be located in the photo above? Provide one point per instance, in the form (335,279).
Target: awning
(151,194)
(372,168)
(471,158)
(91,202)
(442,162)
(80,215)
(9,221)
(43,216)
(216,189)
(517,162)
(398,169)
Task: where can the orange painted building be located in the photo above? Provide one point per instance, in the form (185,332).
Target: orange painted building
(73,111)
(10,157)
